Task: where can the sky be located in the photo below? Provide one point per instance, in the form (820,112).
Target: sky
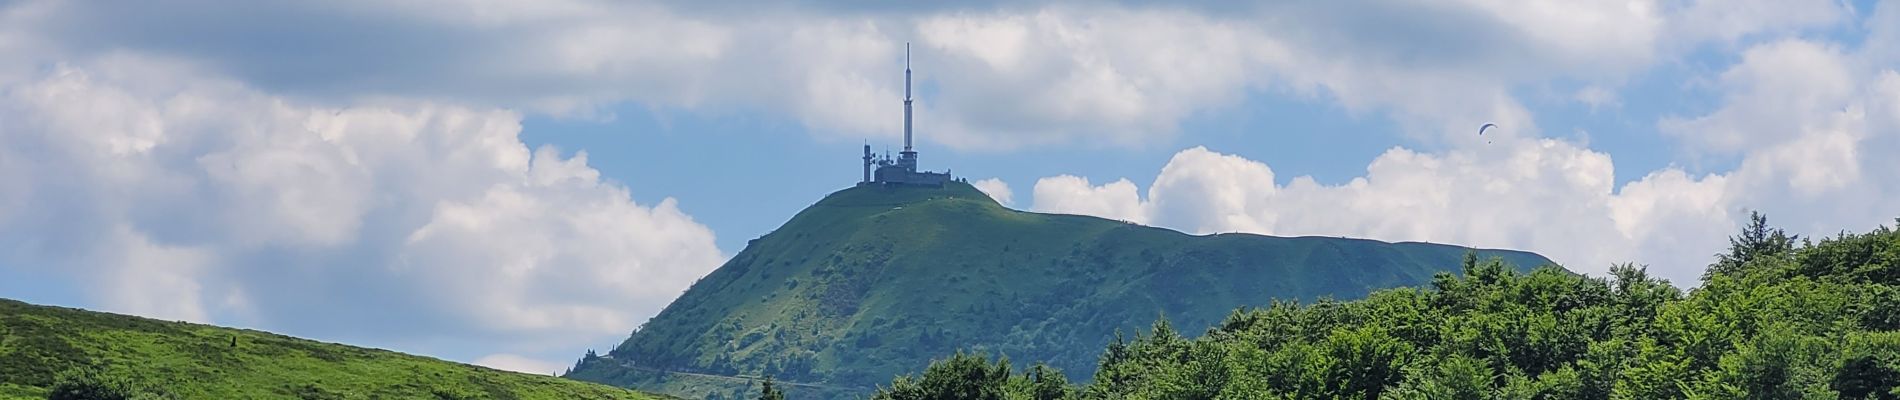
(512,182)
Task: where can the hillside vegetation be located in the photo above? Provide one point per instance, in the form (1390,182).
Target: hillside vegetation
(41,346)
(873,281)
(1773,319)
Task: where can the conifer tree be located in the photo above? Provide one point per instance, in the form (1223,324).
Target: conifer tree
(770,392)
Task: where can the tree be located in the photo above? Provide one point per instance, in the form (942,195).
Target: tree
(1756,241)
(1365,361)
(960,377)
(1455,377)
(1869,367)
(1046,383)
(769,392)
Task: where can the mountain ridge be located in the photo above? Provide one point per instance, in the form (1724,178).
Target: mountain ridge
(872,280)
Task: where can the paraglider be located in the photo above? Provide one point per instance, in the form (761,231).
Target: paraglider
(1486,125)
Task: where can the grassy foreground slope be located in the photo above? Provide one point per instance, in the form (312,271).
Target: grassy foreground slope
(873,281)
(193,361)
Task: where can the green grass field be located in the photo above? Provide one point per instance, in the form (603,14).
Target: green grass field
(193,361)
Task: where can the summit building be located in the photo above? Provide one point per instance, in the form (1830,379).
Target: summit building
(901,171)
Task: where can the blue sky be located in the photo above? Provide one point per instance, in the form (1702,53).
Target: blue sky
(511,183)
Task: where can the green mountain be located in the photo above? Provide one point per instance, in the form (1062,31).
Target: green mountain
(874,281)
(40,345)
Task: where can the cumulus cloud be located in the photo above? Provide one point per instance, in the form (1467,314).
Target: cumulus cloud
(173,195)
(1794,81)
(1067,194)
(996,189)
(1543,195)
(1812,124)
(1064,73)
(990,76)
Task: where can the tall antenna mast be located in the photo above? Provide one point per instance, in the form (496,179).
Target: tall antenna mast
(907,97)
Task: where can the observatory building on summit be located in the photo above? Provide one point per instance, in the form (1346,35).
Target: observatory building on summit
(901,171)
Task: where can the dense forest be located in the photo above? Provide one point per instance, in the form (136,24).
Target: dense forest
(1775,317)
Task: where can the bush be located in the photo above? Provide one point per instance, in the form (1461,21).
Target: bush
(92,383)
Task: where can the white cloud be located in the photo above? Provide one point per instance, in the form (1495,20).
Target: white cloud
(1196,181)
(1813,126)
(176,196)
(996,189)
(558,252)
(1882,43)
(1770,97)
(1115,74)
(1671,221)
(148,279)
(1598,97)
(1062,74)
(1541,195)
(1809,122)
(517,363)
(1733,20)
(1066,194)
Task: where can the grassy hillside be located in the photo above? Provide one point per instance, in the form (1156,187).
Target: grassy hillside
(873,281)
(192,361)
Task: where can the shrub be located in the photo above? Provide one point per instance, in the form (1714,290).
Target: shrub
(93,383)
